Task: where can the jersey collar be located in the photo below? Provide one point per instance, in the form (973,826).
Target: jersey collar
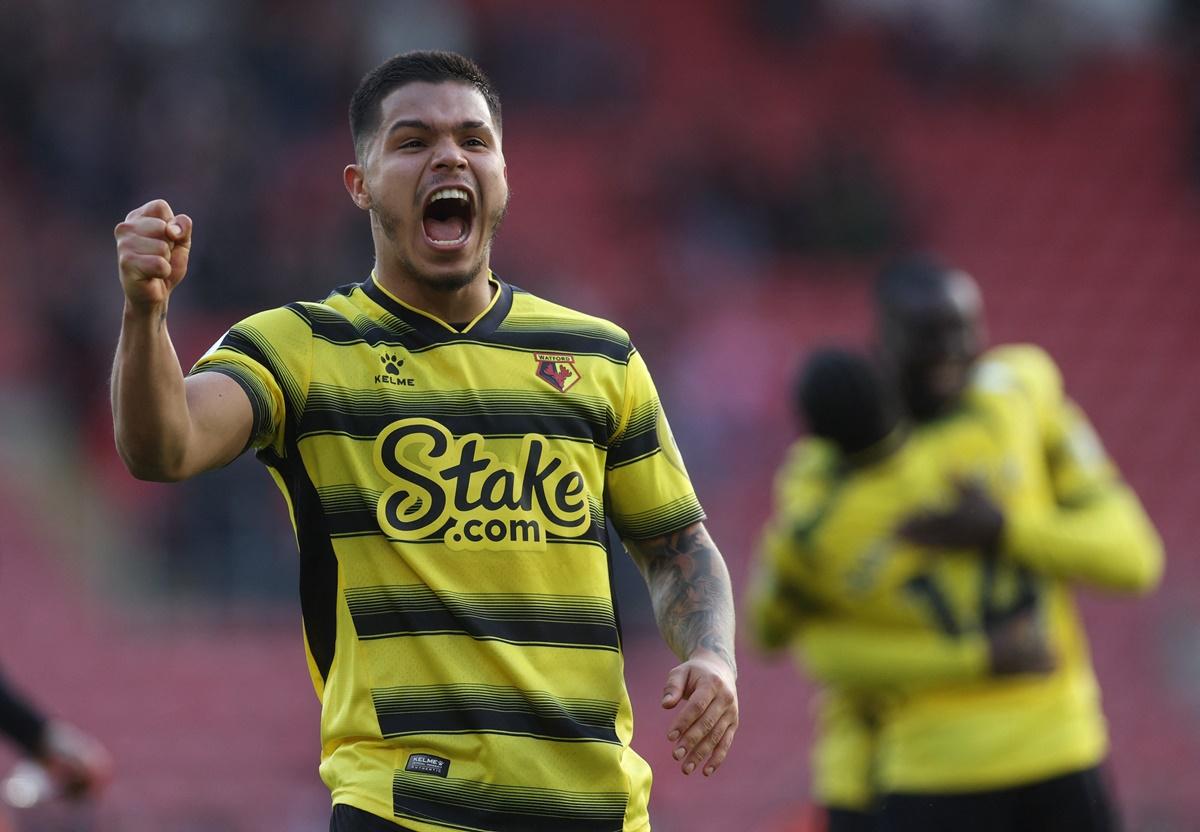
(435,328)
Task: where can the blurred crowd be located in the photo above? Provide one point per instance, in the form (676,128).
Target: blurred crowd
(721,178)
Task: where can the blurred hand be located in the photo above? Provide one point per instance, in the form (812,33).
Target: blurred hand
(153,244)
(975,521)
(1019,645)
(79,765)
(703,730)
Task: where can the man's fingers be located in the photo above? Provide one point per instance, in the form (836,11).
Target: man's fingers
(154,208)
(675,687)
(722,750)
(702,738)
(142,227)
(697,704)
(149,265)
(180,230)
(146,245)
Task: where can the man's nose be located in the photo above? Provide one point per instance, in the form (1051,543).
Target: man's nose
(447,155)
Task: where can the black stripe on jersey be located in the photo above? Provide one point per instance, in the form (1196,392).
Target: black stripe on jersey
(638,439)
(588,327)
(254,345)
(364,414)
(540,620)
(490,709)
(318,561)
(472,805)
(672,517)
(255,390)
(351,511)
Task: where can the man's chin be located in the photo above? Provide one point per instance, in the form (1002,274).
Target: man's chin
(447,278)
(446,282)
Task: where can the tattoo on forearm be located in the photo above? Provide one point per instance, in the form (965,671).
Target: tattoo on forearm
(690,590)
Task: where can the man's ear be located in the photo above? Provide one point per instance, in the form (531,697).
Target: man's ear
(356,186)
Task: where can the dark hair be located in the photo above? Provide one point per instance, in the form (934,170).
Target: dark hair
(905,276)
(409,68)
(842,397)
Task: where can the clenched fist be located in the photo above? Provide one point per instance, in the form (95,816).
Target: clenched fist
(152,253)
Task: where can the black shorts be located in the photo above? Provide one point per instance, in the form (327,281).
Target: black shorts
(846,820)
(349,819)
(1077,802)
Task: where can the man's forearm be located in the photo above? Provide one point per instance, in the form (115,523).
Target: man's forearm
(690,590)
(149,398)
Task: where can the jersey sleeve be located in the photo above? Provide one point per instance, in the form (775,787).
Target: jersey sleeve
(269,355)
(647,486)
(20,721)
(1098,532)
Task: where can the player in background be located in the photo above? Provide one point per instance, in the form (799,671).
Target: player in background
(833,583)
(450,448)
(75,765)
(1051,513)
(1060,515)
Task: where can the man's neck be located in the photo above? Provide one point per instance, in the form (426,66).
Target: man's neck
(455,306)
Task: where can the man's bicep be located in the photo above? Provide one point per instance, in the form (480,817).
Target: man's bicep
(222,421)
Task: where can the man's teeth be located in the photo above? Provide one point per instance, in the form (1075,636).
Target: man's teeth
(450,193)
(461,239)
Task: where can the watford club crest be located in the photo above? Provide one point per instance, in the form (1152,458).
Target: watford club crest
(557,369)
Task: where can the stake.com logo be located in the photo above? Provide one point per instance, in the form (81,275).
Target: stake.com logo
(439,482)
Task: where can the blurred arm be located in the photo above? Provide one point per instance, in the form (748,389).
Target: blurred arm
(1108,542)
(1099,533)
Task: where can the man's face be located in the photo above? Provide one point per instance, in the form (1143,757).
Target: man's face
(930,340)
(434,178)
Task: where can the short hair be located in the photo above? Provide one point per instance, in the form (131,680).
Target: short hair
(905,276)
(842,396)
(409,68)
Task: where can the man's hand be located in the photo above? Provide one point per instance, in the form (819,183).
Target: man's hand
(153,244)
(703,730)
(79,765)
(1019,645)
(975,521)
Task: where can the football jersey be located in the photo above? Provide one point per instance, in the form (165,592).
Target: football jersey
(449,491)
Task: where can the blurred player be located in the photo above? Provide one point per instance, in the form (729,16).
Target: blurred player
(1025,754)
(450,448)
(69,763)
(835,583)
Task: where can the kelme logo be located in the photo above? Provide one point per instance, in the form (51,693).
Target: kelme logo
(438,483)
(391,371)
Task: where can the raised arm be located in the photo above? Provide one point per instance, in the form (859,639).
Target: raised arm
(693,604)
(167,427)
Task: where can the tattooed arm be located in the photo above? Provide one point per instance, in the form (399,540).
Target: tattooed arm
(693,604)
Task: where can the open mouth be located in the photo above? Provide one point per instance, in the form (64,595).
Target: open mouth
(447,218)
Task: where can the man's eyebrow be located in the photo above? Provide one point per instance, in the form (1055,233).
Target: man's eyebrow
(417,124)
(400,124)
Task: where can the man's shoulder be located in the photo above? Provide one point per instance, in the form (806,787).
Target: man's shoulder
(1023,370)
(810,465)
(531,312)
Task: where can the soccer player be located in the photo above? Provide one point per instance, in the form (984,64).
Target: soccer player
(450,448)
(1059,516)
(834,583)
(77,764)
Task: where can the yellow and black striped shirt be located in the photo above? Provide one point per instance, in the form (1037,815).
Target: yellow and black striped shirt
(449,491)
